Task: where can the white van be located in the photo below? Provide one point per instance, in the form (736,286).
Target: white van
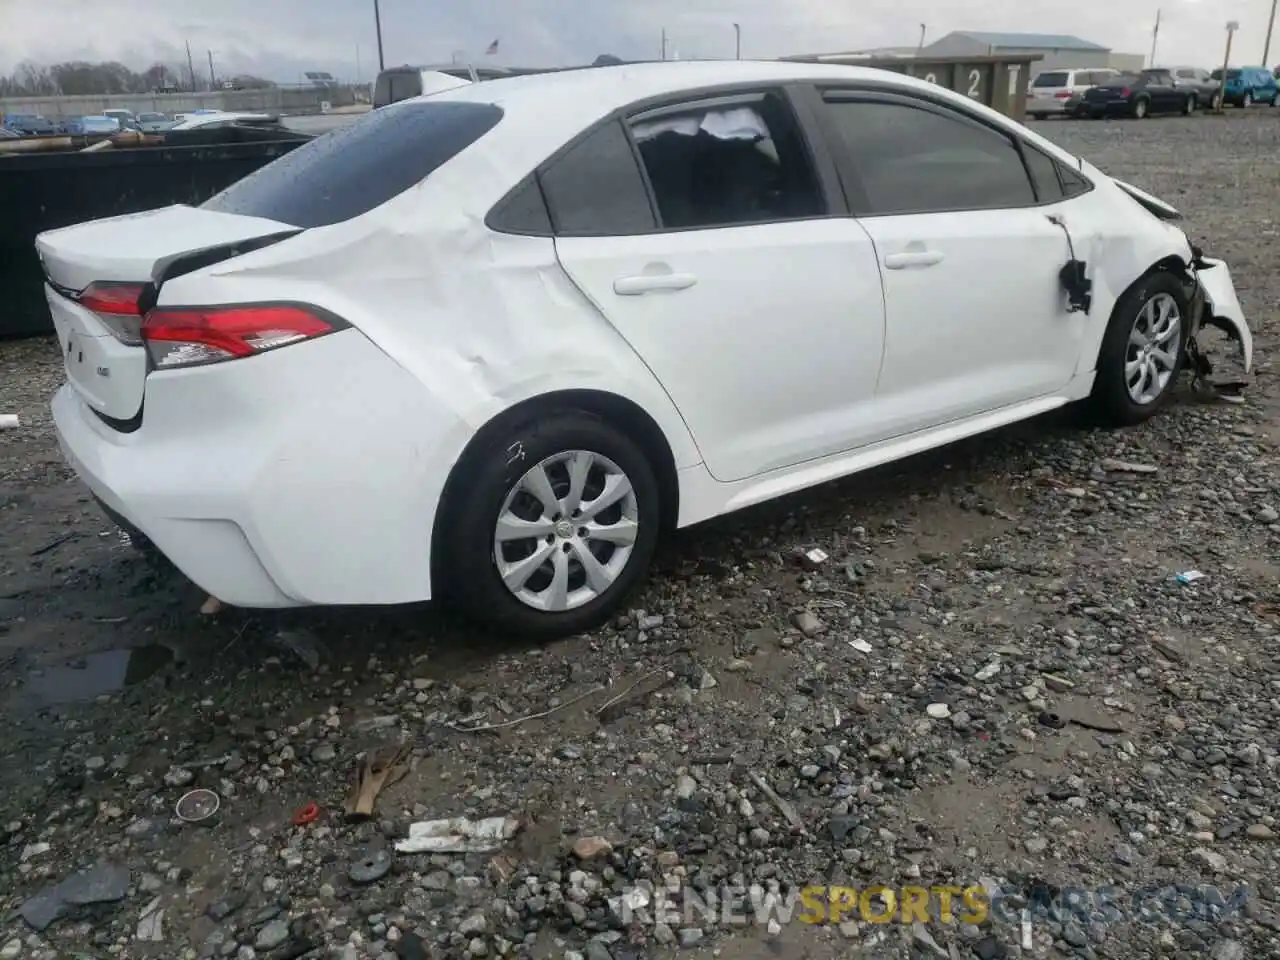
(1052,90)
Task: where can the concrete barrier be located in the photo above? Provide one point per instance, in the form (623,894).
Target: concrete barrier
(282,100)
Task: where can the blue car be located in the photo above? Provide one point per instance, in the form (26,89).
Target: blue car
(1248,85)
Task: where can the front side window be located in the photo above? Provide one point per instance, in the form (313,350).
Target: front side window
(910,157)
(728,163)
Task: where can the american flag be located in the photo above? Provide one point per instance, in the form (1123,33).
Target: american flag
(492,48)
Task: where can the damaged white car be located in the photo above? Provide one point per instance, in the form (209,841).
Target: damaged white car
(489,344)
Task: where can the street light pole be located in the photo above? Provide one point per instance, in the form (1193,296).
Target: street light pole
(737,41)
(1155,36)
(1271,22)
(377,22)
(1232,27)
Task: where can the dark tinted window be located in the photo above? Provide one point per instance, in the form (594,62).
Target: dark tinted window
(522,212)
(355,168)
(1044,174)
(406,85)
(1073,182)
(595,189)
(714,166)
(1056,79)
(917,159)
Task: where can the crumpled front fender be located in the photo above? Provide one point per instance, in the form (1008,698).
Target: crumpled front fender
(1222,307)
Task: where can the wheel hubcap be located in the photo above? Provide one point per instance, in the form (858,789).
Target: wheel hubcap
(566,531)
(1152,353)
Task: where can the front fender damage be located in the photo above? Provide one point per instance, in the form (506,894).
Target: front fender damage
(1214,304)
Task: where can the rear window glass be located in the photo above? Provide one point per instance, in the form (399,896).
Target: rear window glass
(355,168)
(1050,80)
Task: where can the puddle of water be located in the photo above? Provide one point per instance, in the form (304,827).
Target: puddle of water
(96,674)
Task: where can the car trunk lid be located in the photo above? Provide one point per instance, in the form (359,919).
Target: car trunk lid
(97,273)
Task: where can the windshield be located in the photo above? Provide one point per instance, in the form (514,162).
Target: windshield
(1231,74)
(1058,79)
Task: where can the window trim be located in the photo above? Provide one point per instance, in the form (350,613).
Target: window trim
(859,202)
(795,96)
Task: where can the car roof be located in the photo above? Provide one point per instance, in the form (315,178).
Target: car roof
(529,133)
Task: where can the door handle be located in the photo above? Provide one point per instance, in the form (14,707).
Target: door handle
(650,282)
(919,258)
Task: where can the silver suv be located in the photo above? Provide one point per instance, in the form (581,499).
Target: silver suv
(1053,90)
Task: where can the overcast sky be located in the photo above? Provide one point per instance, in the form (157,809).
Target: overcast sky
(281,38)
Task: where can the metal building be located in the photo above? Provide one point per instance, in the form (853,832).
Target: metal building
(1056,51)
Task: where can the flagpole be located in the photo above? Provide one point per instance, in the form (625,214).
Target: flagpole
(1155,35)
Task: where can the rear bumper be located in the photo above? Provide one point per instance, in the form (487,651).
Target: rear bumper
(1045,106)
(308,475)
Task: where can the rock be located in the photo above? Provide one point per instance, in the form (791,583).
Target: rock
(1036,845)
(11,950)
(589,848)
(808,624)
(1214,861)
(179,777)
(410,946)
(939,711)
(1259,831)
(686,787)
(477,948)
(323,753)
(1266,515)
(690,937)
(473,925)
(272,935)
(370,865)
(32,850)
(1227,950)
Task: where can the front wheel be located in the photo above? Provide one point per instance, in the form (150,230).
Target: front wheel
(1189,107)
(1216,102)
(1247,99)
(555,524)
(1140,108)
(1142,351)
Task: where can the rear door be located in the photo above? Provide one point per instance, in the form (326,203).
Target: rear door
(702,235)
(975,315)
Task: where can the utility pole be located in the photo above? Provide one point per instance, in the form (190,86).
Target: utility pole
(737,41)
(191,66)
(1232,27)
(1155,35)
(357,64)
(1266,47)
(213,83)
(920,45)
(664,44)
(377,22)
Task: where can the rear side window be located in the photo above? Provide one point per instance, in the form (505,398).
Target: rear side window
(1053,180)
(355,168)
(1058,79)
(596,190)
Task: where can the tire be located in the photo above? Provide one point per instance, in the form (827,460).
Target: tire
(492,487)
(1247,99)
(1113,402)
(1038,116)
(1189,107)
(1216,102)
(1141,108)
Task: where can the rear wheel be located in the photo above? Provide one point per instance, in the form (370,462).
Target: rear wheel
(1141,108)
(1142,351)
(1247,99)
(1216,102)
(1038,116)
(1190,106)
(554,526)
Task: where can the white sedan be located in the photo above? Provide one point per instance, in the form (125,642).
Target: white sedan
(486,346)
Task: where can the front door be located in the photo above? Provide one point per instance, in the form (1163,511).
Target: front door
(975,314)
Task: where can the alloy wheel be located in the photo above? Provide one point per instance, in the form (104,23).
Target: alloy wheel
(566,531)
(1151,357)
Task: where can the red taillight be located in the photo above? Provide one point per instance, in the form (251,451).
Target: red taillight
(118,299)
(1062,95)
(1125,92)
(187,336)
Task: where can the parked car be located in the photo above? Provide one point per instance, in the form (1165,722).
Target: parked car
(125,118)
(94,126)
(1199,81)
(1249,85)
(493,351)
(1139,95)
(29,124)
(204,120)
(153,122)
(1052,91)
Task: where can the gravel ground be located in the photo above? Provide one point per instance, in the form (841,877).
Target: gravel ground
(995,679)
